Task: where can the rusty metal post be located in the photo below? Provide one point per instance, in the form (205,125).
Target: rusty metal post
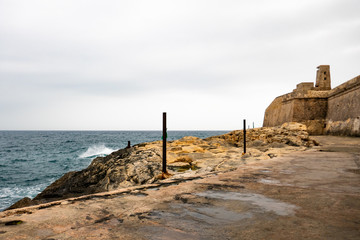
(164,143)
(244,136)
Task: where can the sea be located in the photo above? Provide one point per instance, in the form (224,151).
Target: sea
(32,160)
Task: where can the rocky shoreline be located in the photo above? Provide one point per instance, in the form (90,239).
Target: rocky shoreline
(311,194)
(189,156)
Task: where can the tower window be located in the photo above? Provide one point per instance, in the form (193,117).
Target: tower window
(325,72)
(324,78)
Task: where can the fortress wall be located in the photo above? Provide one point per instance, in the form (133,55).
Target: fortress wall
(278,112)
(343,117)
(309,111)
(322,110)
(344,101)
(312,113)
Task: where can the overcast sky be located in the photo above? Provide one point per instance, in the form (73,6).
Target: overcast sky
(117,65)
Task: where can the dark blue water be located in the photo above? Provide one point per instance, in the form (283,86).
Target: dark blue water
(31,160)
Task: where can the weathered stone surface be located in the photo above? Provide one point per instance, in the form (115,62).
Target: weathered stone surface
(349,127)
(304,109)
(344,109)
(294,126)
(123,168)
(25,202)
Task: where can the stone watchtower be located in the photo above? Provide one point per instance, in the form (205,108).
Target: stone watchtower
(306,104)
(323,81)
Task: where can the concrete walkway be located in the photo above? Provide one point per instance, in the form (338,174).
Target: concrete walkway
(313,194)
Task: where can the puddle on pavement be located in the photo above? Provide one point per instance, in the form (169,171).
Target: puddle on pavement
(287,171)
(194,218)
(191,214)
(202,220)
(268,181)
(211,214)
(265,203)
(183,168)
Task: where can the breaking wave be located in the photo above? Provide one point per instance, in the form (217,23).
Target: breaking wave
(9,195)
(96,151)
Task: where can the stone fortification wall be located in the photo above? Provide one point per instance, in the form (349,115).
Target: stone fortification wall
(309,109)
(278,112)
(311,112)
(343,115)
(322,110)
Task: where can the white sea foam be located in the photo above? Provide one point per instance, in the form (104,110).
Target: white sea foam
(96,150)
(9,195)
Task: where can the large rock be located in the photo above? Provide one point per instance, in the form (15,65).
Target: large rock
(294,126)
(123,168)
(21,203)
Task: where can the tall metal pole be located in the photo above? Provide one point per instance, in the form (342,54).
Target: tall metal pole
(244,135)
(164,143)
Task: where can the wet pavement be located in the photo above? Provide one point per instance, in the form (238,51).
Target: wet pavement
(313,194)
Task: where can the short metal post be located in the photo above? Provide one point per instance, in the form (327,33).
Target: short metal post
(164,143)
(129,145)
(244,136)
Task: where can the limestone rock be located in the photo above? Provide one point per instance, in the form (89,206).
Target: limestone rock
(349,127)
(294,126)
(25,202)
(293,134)
(123,168)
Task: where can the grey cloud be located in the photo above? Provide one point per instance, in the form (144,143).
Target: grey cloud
(97,51)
